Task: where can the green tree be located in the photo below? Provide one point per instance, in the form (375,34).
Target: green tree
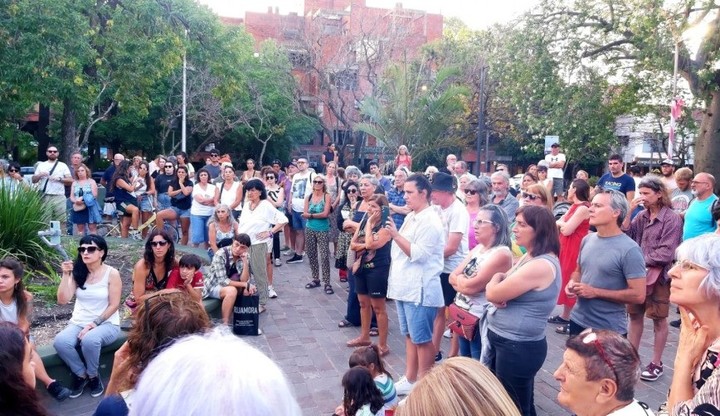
(426,113)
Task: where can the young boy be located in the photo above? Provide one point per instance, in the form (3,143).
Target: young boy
(188,276)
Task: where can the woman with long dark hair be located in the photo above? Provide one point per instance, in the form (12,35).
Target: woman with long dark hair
(180,193)
(151,272)
(95,320)
(144,186)
(121,185)
(17,376)
(182,161)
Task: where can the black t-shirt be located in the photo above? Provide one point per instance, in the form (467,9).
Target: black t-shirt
(180,200)
(162,182)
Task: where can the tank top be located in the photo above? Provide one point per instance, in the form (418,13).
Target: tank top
(219,234)
(317,224)
(8,313)
(92,302)
(227,196)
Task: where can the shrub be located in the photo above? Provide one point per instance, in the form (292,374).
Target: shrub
(22,215)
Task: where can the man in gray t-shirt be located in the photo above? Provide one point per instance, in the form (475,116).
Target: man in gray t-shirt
(610,272)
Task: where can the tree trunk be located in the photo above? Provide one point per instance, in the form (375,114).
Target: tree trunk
(707,144)
(41,133)
(68,129)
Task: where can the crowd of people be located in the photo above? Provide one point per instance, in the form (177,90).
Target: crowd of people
(473,259)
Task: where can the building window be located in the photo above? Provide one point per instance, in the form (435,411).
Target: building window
(345,79)
(299,58)
(341,137)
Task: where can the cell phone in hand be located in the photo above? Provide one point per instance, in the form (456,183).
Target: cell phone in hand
(384,214)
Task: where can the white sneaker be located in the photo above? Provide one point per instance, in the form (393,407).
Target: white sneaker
(403,387)
(278,263)
(447,333)
(271,292)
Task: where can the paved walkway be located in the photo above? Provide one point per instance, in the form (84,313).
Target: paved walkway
(301,335)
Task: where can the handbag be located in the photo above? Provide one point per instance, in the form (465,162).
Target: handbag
(79,206)
(462,322)
(246,315)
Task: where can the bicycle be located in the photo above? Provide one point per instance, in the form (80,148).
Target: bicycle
(113,228)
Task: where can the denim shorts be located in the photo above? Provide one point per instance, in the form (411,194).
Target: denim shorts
(298,222)
(146,204)
(181,213)
(163,201)
(199,229)
(416,320)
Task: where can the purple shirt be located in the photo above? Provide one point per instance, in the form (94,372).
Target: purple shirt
(658,238)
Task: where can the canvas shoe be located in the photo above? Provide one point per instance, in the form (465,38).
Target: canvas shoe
(295,259)
(403,387)
(79,384)
(58,391)
(271,293)
(277,262)
(447,333)
(96,386)
(652,372)
(438,357)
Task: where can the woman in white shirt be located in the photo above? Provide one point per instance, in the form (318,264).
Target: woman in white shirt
(203,205)
(230,192)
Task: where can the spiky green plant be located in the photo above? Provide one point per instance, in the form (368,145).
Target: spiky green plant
(22,215)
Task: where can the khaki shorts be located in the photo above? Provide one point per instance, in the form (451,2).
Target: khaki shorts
(657,304)
(57,207)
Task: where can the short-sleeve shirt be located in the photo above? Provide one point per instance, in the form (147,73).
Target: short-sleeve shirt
(214,170)
(551,158)
(176,282)
(163,182)
(607,263)
(623,183)
(455,219)
(301,188)
(61,171)
(681,199)
(397,197)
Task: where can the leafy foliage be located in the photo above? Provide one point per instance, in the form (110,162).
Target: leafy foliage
(22,215)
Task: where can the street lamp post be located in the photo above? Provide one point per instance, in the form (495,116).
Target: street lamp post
(481,122)
(183,144)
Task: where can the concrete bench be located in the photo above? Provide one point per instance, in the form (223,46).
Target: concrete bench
(57,369)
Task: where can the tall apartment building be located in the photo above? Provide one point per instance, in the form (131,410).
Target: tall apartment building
(339,50)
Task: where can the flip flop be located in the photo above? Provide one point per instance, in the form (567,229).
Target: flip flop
(313,284)
(384,351)
(345,324)
(557,319)
(374,332)
(563,329)
(329,290)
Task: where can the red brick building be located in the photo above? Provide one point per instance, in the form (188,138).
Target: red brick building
(339,50)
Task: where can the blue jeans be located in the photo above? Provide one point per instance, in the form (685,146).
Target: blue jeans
(515,364)
(352,314)
(199,229)
(472,348)
(67,340)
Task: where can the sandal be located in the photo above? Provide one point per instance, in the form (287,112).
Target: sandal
(374,332)
(358,342)
(563,329)
(557,319)
(345,324)
(313,284)
(343,280)
(329,290)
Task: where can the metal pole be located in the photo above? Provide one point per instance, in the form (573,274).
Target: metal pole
(487,153)
(481,120)
(183,145)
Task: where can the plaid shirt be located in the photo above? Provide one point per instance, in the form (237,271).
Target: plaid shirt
(217,276)
(397,197)
(658,238)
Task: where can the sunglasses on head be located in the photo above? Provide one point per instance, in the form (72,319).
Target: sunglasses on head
(161,243)
(590,337)
(530,196)
(87,249)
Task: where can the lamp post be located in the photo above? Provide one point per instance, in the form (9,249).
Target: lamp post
(481,122)
(183,145)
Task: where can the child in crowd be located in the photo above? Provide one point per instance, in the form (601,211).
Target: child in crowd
(361,397)
(369,358)
(16,308)
(188,277)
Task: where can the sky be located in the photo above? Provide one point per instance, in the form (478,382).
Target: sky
(475,14)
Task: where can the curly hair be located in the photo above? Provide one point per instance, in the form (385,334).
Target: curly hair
(149,254)
(16,396)
(160,320)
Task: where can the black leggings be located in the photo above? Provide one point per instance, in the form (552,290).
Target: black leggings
(276,246)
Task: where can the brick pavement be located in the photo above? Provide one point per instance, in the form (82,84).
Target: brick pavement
(301,335)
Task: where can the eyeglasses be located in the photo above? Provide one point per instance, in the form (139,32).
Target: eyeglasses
(52,151)
(318,182)
(221,211)
(470,192)
(87,249)
(479,221)
(697,182)
(687,265)
(530,196)
(352,191)
(162,243)
(591,337)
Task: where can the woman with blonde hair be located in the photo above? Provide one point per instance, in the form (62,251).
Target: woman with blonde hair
(537,194)
(459,386)
(403,158)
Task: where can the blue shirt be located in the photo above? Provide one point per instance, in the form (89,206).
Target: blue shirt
(397,197)
(698,219)
(624,183)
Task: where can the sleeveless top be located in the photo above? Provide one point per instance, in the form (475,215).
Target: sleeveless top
(317,224)
(273,195)
(219,234)
(92,301)
(477,301)
(525,317)
(9,313)
(152,283)
(227,196)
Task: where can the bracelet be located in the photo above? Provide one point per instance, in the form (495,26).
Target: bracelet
(98,321)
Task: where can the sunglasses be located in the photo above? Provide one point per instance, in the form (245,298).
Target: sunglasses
(162,243)
(530,196)
(470,192)
(52,151)
(214,155)
(87,249)
(590,337)
(318,182)
(169,166)
(12,170)
(270,177)
(352,191)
